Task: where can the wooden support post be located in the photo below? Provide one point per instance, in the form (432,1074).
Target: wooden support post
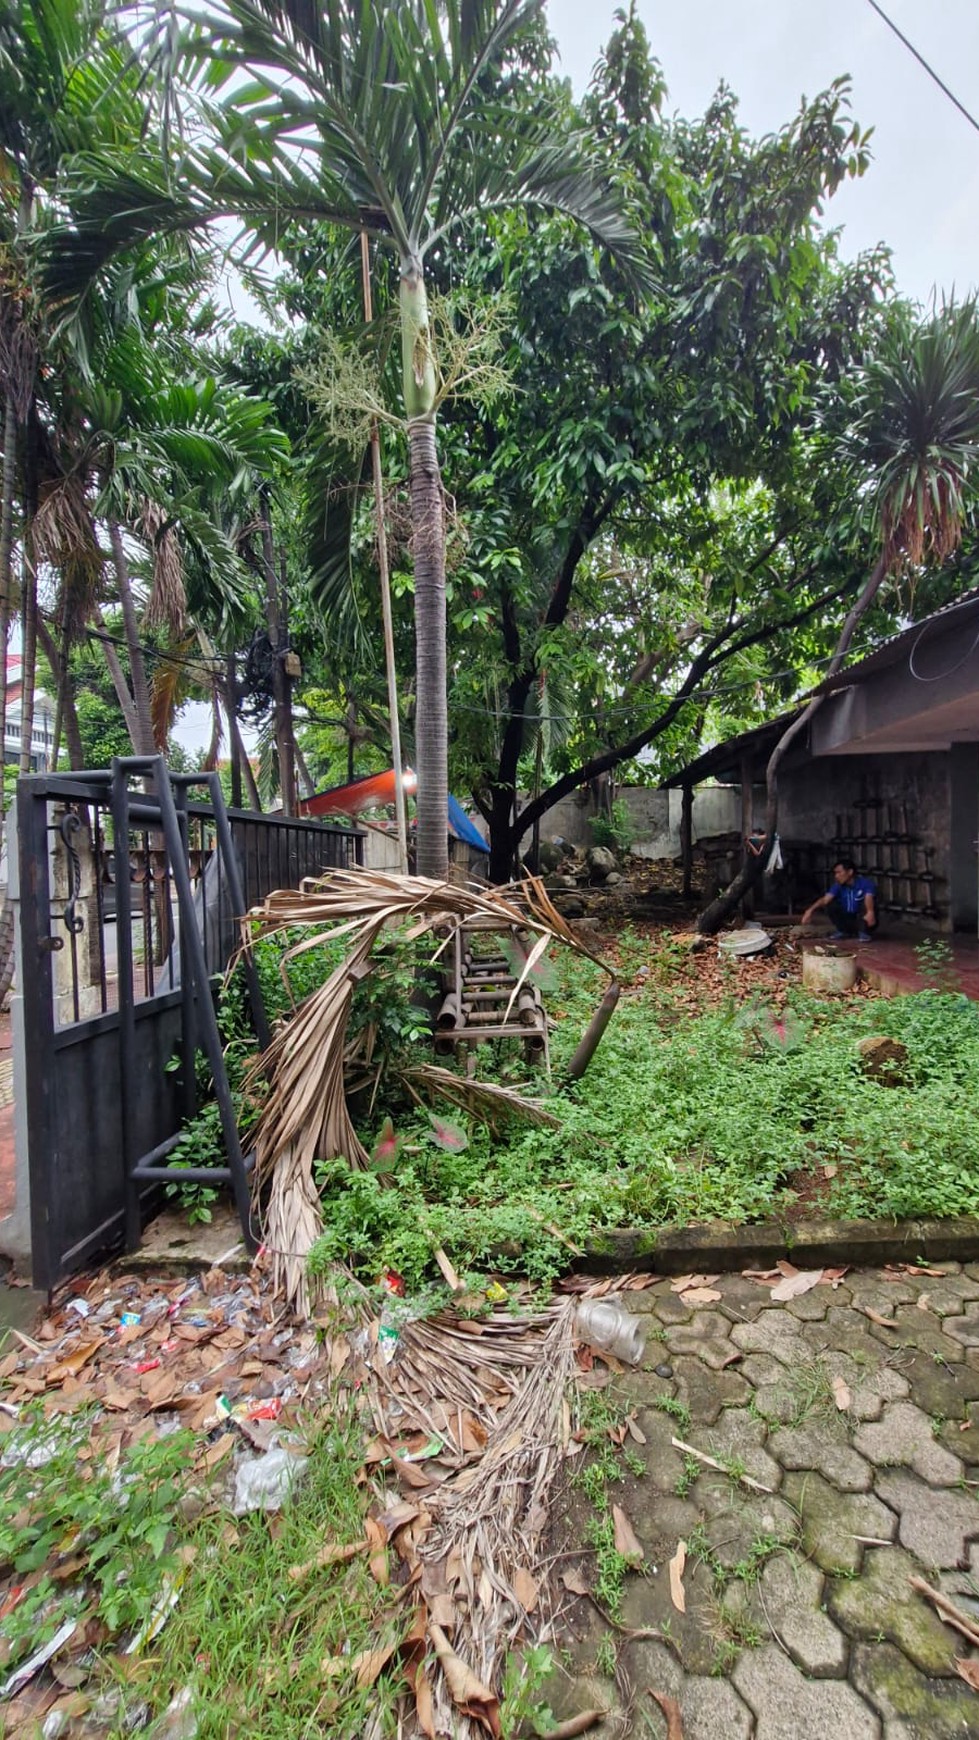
(686,841)
(747,824)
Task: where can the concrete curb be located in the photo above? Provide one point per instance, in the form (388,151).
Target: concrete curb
(810,1244)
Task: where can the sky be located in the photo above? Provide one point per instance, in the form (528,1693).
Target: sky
(921,192)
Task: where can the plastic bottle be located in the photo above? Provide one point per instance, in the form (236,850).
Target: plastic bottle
(605,1325)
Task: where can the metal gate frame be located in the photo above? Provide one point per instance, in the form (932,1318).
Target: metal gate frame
(100,1105)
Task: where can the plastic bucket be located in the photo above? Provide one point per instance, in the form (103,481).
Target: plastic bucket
(833,975)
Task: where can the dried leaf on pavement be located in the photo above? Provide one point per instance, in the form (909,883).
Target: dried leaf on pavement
(700,1296)
(526,1590)
(627,1542)
(875,1317)
(677,1563)
(968,1671)
(671,1710)
(841,1394)
(801,1281)
(574,1582)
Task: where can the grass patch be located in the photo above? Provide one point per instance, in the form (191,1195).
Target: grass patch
(259,1653)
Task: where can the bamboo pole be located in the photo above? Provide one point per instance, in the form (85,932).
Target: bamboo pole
(382,564)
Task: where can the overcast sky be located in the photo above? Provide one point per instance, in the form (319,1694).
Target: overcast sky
(921,193)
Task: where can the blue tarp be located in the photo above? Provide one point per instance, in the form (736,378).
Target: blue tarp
(460,824)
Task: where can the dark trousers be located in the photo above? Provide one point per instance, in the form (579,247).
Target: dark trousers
(850,923)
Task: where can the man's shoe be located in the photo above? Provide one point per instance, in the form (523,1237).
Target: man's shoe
(837,936)
(865,936)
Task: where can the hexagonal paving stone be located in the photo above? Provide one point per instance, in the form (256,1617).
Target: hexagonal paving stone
(913,1706)
(810,1307)
(847,1332)
(775,1333)
(870,1287)
(941,1298)
(739,1437)
(868,1392)
(761,1369)
(920,1330)
(822,1446)
(778,1402)
(962,1437)
(789,1707)
(704,1393)
(709,1708)
(936,1527)
(664,1465)
(742,1529)
(835,1525)
(940,1389)
(791,1595)
(880,1604)
(903,1437)
(742,1300)
(705,1337)
(965,1328)
(670,1308)
(646,1602)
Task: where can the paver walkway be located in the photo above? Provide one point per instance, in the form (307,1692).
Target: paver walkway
(800,1622)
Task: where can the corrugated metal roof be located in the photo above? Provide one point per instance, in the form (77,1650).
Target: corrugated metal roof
(725,756)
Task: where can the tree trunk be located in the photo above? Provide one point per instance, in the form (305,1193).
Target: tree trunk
(428,545)
(280,679)
(751,871)
(118,675)
(431,713)
(143,742)
(234,741)
(28,657)
(66,699)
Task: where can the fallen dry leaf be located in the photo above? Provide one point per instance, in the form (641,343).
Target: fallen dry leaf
(677,1563)
(800,1281)
(841,1394)
(466,1691)
(700,1296)
(73,1362)
(627,1542)
(377,1544)
(830,1170)
(923,1301)
(833,1277)
(875,1317)
(967,1671)
(671,1710)
(526,1590)
(636,1432)
(574,1582)
(366,1667)
(683,1283)
(334,1553)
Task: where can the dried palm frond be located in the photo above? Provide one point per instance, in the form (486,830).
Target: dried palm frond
(167,603)
(305,1117)
(486,1099)
(495,1393)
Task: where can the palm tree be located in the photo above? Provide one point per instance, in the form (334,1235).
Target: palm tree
(381,120)
(914,452)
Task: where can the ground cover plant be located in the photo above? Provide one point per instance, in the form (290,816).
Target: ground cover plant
(716,1093)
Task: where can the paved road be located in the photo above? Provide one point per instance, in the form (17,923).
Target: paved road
(800,1623)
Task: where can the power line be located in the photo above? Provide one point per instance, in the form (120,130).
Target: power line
(919,57)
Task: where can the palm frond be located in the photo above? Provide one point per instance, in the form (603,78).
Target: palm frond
(484,1099)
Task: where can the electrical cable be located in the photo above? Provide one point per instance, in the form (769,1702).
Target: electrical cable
(932,74)
(943,676)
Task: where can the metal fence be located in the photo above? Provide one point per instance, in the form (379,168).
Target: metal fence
(104,1013)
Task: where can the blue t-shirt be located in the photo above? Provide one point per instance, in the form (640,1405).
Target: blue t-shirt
(851,895)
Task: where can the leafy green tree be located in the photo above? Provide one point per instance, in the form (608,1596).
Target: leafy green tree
(914,460)
(384,121)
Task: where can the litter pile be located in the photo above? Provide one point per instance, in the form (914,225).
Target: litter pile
(467,1417)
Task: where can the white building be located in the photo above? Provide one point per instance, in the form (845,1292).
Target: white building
(42,733)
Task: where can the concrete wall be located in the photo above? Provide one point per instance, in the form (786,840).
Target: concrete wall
(655,816)
(822,798)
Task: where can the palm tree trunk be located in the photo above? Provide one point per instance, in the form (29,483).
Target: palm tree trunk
(118,675)
(145,743)
(67,710)
(713,916)
(6,571)
(431,714)
(280,679)
(28,664)
(428,544)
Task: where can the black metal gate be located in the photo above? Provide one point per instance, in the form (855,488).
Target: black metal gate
(104,1014)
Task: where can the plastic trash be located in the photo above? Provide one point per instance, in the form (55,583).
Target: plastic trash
(81,1307)
(605,1325)
(265,1482)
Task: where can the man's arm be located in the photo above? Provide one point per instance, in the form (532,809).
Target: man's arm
(870,906)
(824,900)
